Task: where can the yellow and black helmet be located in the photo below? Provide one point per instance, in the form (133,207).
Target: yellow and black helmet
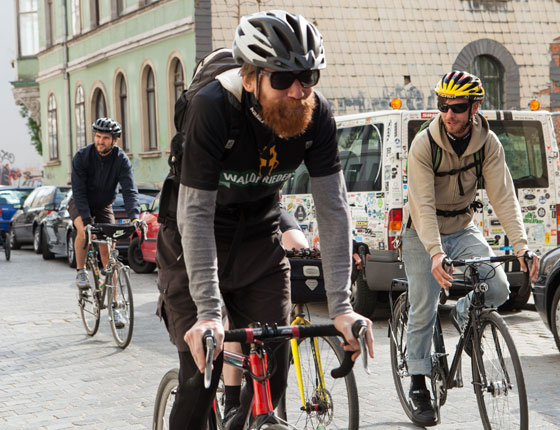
(457,85)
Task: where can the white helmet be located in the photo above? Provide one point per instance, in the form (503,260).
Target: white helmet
(280,41)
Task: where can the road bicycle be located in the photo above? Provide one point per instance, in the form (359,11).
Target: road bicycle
(313,398)
(497,376)
(115,292)
(256,366)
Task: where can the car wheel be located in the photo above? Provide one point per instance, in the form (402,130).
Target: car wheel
(555,317)
(37,240)
(15,244)
(70,253)
(136,259)
(362,299)
(47,254)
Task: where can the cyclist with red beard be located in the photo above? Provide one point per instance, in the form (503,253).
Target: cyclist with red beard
(228,208)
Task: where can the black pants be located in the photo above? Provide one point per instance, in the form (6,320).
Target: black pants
(257,289)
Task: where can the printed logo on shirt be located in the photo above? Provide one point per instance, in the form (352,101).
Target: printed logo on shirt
(270,162)
(252,178)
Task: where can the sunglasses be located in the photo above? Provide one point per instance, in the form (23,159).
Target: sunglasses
(457,108)
(284,80)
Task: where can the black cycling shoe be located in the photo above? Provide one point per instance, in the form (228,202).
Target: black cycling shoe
(423,412)
(228,418)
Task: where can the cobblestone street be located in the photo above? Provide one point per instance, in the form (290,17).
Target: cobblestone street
(54,376)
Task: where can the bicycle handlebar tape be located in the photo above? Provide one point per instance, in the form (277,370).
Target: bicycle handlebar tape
(346,366)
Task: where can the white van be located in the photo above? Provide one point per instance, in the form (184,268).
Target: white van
(373,150)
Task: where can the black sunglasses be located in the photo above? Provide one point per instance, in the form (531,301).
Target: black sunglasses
(284,80)
(457,108)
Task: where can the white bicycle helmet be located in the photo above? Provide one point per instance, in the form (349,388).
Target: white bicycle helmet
(280,41)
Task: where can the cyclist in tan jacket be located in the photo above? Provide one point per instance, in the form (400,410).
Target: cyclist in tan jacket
(445,163)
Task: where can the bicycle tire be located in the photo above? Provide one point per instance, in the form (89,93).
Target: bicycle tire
(122,302)
(338,391)
(88,300)
(502,402)
(399,368)
(7,247)
(164,399)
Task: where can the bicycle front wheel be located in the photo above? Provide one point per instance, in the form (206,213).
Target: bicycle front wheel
(88,300)
(7,247)
(498,380)
(122,309)
(332,406)
(164,399)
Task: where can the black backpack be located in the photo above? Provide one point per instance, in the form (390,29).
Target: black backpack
(207,69)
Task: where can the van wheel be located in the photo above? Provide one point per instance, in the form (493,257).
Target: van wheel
(363,300)
(518,297)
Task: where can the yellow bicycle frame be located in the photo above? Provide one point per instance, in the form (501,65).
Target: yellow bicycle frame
(300,320)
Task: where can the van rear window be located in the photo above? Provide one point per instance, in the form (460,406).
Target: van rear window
(361,154)
(523,144)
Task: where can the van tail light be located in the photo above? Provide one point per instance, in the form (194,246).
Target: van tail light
(394,227)
(557,225)
(0,211)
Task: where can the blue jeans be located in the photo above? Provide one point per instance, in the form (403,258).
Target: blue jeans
(423,290)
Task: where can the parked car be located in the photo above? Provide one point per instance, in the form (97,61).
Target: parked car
(146,196)
(58,234)
(142,257)
(546,292)
(25,226)
(11,199)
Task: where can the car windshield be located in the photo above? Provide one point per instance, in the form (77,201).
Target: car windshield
(9,197)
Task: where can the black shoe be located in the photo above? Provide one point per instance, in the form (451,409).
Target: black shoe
(228,417)
(455,321)
(423,412)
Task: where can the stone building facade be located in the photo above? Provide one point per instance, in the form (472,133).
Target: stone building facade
(131,58)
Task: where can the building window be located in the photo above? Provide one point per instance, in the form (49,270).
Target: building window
(178,79)
(100,105)
(94,13)
(151,109)
(28,27)
(49,22)
(52,128)
(76,11)
(80,114)
(490,72)
(120,7)
(123,111)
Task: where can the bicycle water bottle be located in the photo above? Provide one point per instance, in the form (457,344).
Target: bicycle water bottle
(102,278)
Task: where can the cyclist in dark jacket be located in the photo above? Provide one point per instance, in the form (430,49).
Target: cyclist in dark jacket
(223,199)
(97,170)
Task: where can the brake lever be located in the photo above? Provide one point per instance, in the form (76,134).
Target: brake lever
(210,345)
(359,330)
(446,265)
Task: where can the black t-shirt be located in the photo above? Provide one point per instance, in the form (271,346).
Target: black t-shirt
(249,176)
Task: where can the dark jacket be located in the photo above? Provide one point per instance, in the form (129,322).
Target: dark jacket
(95,180)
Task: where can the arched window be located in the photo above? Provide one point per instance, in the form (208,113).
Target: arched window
(100,105)
(178,79)
(490,72)
(52,128)
(80,116)
(151,109)
(123,112)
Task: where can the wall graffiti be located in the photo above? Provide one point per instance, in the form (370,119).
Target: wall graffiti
(15,176)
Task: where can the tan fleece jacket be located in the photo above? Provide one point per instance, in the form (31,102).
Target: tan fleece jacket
(426,192)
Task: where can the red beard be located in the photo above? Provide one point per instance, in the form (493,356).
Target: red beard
(290,117)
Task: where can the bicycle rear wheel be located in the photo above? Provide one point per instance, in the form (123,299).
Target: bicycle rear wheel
(399,368)
(122,302)
(334,406)
(164,399)
(88,300)
(498,381)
